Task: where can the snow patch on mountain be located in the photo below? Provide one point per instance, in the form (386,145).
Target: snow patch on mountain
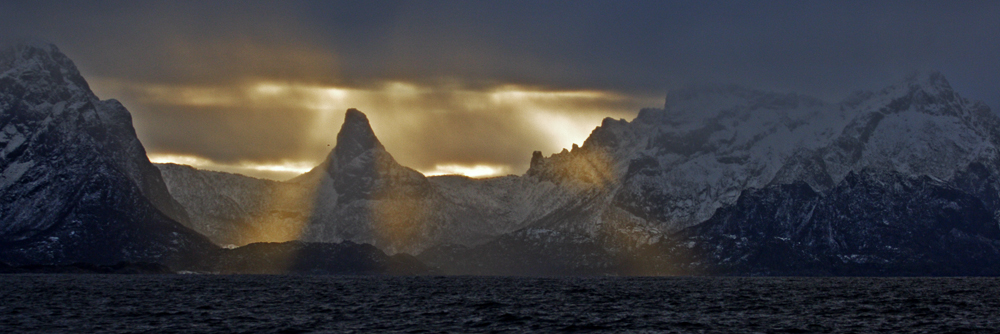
(675,166)
(235,210)
(76,184)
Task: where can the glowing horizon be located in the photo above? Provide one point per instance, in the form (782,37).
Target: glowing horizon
(283,129)
(277,172)
(292,169)
(473,171)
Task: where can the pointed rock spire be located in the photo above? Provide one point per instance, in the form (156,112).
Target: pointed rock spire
(360,167)
(355,137)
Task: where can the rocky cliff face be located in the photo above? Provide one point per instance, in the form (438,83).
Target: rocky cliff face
(360,194)
(871,223)
(676,166)
(722,180)
(364,195)
(641,190)
(76,185)
(235,210)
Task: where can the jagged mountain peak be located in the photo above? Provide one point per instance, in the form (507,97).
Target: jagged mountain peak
(366,196)
(41,64)
(360,165)
(76,184)
(26,51)
(354,139)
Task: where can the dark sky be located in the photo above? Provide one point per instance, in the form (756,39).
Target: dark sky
(253,86)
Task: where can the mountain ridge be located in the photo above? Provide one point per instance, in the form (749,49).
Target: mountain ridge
(642,182)
(636,193)
(76,184)
(78,194)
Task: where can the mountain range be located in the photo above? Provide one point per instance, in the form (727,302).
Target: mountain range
(77,190)
(723,180)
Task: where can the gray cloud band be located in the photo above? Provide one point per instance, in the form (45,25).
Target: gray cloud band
(631,52)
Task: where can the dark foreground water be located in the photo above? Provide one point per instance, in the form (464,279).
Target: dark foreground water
(302,304)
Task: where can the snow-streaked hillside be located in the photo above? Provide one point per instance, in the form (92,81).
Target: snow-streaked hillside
(76,185)
(627,200)
(676,166)
(636,185)
(362,195)
(233,209)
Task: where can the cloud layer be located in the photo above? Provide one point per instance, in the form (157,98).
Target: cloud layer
(453,85)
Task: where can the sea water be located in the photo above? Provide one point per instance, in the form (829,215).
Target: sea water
(365,304)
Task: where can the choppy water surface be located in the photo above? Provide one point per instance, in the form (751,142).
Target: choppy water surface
(298,304)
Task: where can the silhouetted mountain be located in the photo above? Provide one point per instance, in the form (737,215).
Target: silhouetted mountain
(76,184)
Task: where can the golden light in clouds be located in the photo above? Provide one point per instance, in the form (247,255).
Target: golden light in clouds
(474,171)
(445,129)
(278,171)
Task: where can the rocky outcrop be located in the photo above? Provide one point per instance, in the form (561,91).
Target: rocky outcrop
(76,185)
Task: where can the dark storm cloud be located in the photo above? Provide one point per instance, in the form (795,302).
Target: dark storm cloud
(225,134)
(175,41)
(814,46)
(635,49)
(824,48)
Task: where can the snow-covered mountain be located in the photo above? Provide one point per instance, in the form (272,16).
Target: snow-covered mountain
(364,195)
(872,222)
(235,210)
(77,191)
(677,165)
(360,194)
(667,192)
(76,185)
(640,186)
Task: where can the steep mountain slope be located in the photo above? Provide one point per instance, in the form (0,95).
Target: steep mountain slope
(636,185)
(723,180)
(360,194)
(76,185)
(235,210)
(710,143)
(871,223)
(365,196)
